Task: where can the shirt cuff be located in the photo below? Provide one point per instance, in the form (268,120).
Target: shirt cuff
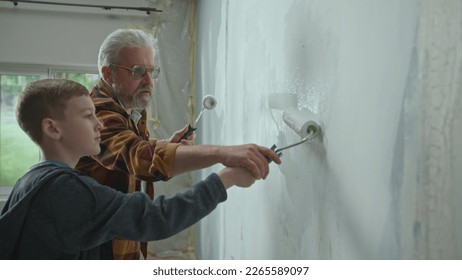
(162,161)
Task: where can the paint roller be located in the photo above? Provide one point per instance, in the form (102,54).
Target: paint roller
(208,102)
(304,122)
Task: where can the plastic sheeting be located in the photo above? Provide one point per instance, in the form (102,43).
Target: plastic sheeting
(173,106)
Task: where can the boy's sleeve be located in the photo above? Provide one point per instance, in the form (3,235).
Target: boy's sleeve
(87,214)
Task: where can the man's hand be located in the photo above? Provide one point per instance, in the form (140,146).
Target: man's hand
(250,156)
(176,137)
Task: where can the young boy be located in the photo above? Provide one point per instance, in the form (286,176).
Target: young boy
(56,212)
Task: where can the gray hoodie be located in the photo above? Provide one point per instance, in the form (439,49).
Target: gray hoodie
(56,212)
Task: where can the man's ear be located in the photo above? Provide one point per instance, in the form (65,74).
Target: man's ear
(107,74)
(50,129)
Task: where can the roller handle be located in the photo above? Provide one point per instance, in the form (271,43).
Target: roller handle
(189,132)
(275,150)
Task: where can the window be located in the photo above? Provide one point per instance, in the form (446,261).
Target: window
(17,151)
(86,79)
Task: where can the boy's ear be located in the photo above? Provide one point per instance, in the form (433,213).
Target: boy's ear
(50,129)
(107,74)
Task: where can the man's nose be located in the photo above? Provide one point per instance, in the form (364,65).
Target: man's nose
(147,78)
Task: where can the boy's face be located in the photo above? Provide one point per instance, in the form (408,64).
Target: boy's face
(135,92)
(80,128)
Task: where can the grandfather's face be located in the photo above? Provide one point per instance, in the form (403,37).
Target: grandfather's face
(134,92)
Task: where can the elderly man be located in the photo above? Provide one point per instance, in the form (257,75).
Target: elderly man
(128,72)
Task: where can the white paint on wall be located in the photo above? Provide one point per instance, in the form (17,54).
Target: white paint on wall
(384,77)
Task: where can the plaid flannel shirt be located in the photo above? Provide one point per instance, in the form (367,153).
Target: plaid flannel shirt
(127,156)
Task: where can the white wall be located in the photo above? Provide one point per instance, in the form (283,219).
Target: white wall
(384,78)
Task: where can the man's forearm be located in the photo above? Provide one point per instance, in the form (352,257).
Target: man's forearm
(193,157)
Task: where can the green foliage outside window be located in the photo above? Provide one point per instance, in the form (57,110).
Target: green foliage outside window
(88,80)
(17,152)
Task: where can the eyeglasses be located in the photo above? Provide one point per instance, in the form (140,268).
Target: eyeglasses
(138,71)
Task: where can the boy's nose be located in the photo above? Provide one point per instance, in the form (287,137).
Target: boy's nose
(99,125)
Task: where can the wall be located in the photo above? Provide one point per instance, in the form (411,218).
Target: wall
(384,79)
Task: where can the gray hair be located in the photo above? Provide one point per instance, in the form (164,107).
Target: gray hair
(122,38)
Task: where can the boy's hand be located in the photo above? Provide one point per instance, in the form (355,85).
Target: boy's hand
(236,176)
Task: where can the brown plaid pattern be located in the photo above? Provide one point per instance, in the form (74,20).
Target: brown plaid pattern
(127,156)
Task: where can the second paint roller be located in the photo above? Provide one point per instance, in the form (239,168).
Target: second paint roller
(208,102)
